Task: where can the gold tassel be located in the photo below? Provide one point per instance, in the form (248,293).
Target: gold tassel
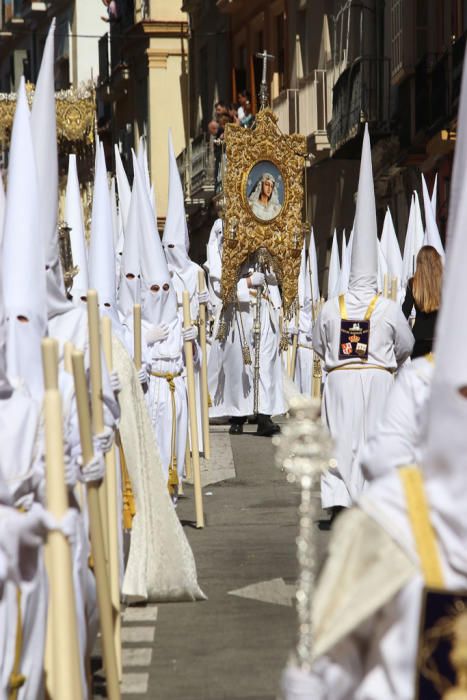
(16,679)
(284,343)
(129,504)
(246,354)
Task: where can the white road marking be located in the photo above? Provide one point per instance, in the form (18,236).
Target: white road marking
(136,657)
(134,683)
(135,635)
(275,591)
(148,613)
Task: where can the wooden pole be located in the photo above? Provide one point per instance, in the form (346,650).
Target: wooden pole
(65,681)
(95,525)
(394,288)
(137,354)
(204,370)
(96,400)
(293,359)
(188,348)
(188,463)
(385,286)
(114,500)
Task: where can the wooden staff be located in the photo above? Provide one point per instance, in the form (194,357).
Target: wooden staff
(394,288)
(385,286)
(204,370)
(95,526)
(293,359)
(188,463)
(190,372)
(65,681)
(137,354)
(114,498)
(96,400)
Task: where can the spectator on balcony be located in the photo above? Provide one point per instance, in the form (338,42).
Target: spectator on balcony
(220,110)
(112,11)
(243,99)
(248,119)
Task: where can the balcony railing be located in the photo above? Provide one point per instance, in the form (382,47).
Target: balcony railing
(196,165)
(315,108)
(361,94)
(286,108)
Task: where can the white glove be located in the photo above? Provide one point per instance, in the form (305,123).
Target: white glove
(292,330)
(69,525)
(143,375)
(257,279)
(190,333)
(104,441)
(115,382)
(156,334)
(203,297)
(94,470)
(22,534)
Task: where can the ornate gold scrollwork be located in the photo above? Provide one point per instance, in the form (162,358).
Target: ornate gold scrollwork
(246,150)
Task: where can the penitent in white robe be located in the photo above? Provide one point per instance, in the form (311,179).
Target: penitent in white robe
(304,367)
(353,400)
(231,381)
(397,439)
(166,358)
(20,463)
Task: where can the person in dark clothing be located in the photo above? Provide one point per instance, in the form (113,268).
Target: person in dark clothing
(424,293)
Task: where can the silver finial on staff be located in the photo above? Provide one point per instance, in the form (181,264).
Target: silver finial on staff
(263,90)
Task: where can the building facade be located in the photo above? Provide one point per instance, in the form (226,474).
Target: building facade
(143,86)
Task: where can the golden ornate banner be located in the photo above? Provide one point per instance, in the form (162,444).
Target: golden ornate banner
(263,189)
(75,108)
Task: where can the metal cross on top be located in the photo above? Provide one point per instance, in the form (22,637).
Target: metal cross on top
(263,91)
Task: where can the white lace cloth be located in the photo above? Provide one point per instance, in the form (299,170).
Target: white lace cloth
(161,566)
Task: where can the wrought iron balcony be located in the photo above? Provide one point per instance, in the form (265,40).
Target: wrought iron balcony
(286,108)
(315,109)
(361,94)
(196,165)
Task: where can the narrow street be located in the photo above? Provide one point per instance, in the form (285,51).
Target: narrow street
(234,645)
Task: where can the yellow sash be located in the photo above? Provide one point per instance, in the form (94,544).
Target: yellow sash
(369,311)
(419,516)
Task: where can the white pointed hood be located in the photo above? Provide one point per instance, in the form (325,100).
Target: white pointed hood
(313,268)
(432,236)
(304,287)
(444,458)
(44,134)
(5,386)
(413,241)
(434,196)
(390,248)
(124,190)
(175,239)
(382,268)
(334,269)
(74,219)
(101,246)
(2,209)
(143,165)
(364,263)
(345,268)
(23,260)
(157,306)
(130,270)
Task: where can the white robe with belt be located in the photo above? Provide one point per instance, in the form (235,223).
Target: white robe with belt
(231,382)
(353,400)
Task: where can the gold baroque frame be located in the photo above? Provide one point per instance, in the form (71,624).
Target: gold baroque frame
(244,233)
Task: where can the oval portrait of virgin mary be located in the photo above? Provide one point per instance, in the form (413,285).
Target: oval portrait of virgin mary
(265,190)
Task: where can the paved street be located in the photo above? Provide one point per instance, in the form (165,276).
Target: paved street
(234,645)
